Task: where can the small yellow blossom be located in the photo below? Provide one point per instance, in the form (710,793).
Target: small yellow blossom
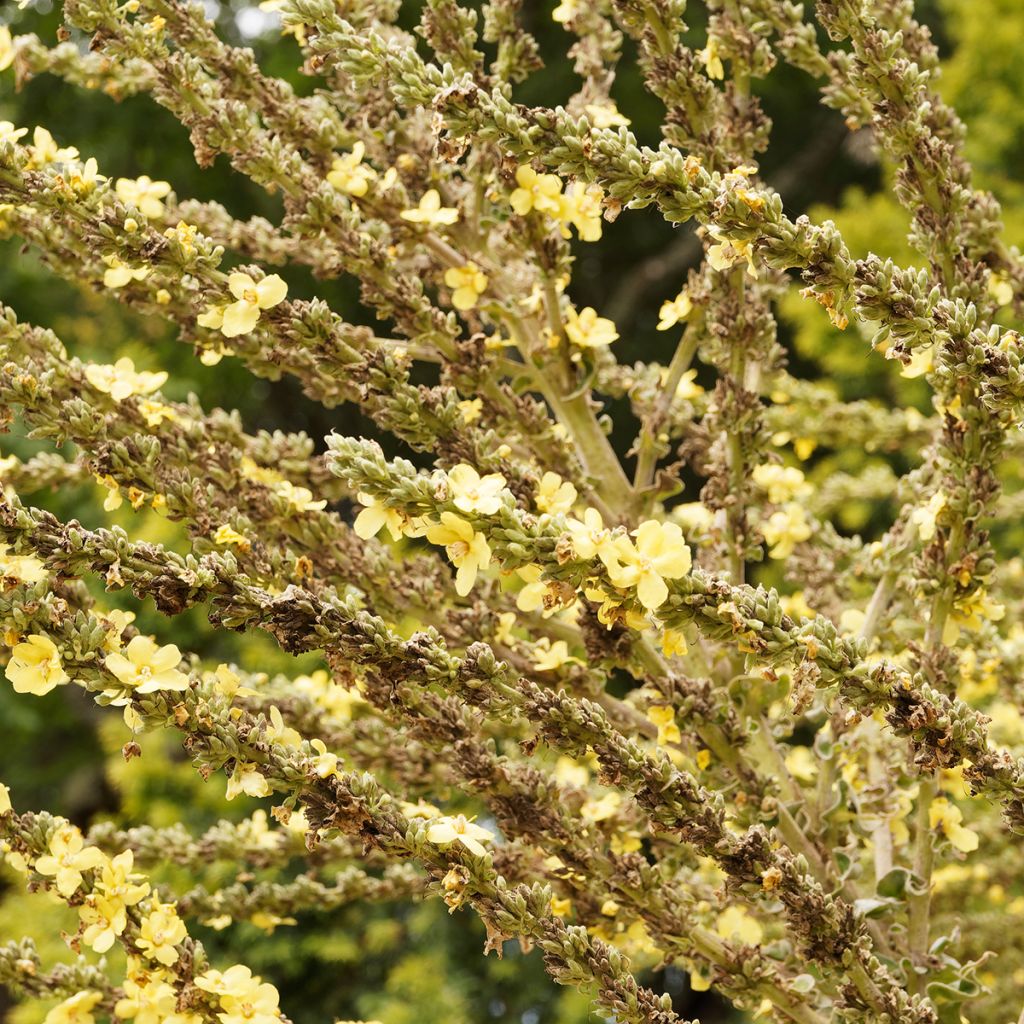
(549,655)
(925,518)
(349,174)
(144,194)
(561,907)
(244,997)
(606,115)
(660,554)
(468,550)
(24,568)
(674,310)
(324,763)
(147,667)
(922,361)
(1000,288)
(225,534)
(447,830)
(35,666)
(673,643)
(664,717)
(103,920)
(5,799)
(300,498)
(471,409)
(6,48)
(246,778)
(160,932)
(119,273)
(581,207)
(946,817)
(590,537)
(242,316)
(83,178)
(473,493)
(430,211)
(468,283)
(46,151)
(971,612)
(566,11)
(375,516)
(782,483)
(588,330)
(76,1009)
(540,192)
(735,923)
(785,529)
(727,252)
(122,379)
(712,61)
(68,858)
(553,495)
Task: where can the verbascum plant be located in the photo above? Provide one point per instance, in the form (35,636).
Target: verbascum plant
(556,696)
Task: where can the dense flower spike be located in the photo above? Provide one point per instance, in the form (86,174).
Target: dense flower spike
(717,730)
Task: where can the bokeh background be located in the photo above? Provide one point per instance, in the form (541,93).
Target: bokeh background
(401,964)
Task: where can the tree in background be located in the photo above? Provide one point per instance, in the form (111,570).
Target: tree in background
(598,676)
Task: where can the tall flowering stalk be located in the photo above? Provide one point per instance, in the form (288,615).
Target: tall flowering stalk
(555,694)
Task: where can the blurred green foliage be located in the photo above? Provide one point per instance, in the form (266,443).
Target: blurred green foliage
(406,964)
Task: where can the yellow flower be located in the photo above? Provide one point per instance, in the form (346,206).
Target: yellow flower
(24,568)
(300,498)
(730,251)
(118,882)
(119,273)
(325,763)
(561,907)
(244,997)
(104,919)
(467,549)
(349,174)
(736,923)
(674,310)
(154,413)
(35,666)
(144,194)
(785,529)
(242,316)
(5,799)
(447,830)
(46,151)
(590,537)
(553,495)
(83,178)
(430,211)
(121,380)
(947,818)
(474,493)
(548,656)
(971,612)
(471,408)
(228,535)
(688,389)
(152,1000)
(540,192)
(922,361)
(246,778)
(673,643)
(588,330)
(999,286)
(664,717)
(802,764)
(660,554)
(783,483)
(6,48)
(712,61)
(581,207)
(566,11)
(160,932)
(375,516)
(76,1009)
(606,115)
(146,667)
(8,133)
(925,518)
(468,284)
(68,858)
